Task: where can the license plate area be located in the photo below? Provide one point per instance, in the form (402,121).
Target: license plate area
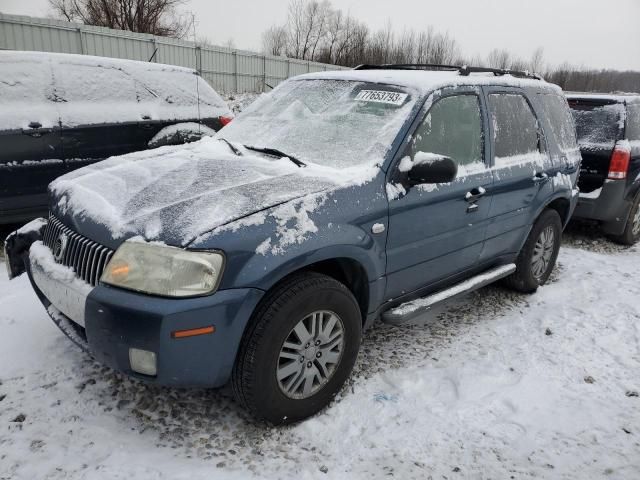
(69,298)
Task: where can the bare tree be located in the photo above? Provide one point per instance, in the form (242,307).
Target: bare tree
(158,17)
(316,31)
(536,64)
(274,40)
(499,58)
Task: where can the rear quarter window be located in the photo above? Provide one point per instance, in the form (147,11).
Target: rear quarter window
(558,114)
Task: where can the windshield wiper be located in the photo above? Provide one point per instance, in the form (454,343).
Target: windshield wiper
(233,148)
(277,153)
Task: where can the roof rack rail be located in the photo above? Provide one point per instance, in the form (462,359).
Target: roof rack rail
(461,69)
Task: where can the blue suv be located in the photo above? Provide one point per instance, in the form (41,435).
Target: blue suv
(260,256)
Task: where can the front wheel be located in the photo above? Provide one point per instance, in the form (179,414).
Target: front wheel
(299,350)
(538,255)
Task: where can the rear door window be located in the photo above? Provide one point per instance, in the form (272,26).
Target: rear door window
(560,120)
(515,127)
(453,128)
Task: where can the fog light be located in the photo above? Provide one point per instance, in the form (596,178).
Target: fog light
(143,361)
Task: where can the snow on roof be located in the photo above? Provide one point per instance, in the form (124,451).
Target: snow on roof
(29,56)
(605,97)
(428,80)
(54,88)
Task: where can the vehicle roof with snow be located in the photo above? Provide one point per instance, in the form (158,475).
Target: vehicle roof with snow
(605,97)
(50,88)
(425,81)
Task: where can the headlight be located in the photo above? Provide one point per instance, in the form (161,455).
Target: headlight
(163,270)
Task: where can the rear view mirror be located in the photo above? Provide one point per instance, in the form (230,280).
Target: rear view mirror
(437,170)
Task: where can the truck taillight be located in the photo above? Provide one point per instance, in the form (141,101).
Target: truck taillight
(619,165)
(225,120)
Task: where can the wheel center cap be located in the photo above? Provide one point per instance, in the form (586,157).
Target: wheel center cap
(310,353)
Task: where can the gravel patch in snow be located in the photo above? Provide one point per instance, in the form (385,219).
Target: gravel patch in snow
(589,236)
(493,386)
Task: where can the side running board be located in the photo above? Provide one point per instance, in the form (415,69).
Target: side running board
(410,310)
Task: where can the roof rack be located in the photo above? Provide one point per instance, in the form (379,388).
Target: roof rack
(461,69)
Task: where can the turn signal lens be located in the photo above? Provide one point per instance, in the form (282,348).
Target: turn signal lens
(193,332)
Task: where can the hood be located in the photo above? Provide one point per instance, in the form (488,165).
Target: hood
(174,194)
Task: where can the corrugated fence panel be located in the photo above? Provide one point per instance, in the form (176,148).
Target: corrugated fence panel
(226,70)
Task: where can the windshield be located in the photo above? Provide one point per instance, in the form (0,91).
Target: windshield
(328,122)
(598,126)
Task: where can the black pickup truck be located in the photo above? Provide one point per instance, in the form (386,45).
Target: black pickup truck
(608,128)
(61,112)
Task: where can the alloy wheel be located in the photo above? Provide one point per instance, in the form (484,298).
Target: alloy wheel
(310,354)
(542,252)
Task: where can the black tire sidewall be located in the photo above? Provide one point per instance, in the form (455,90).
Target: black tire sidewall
(280,317)
(628,237)
(547,218)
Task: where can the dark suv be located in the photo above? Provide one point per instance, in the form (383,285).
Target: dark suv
(61,112)
(341,197)
(608,129)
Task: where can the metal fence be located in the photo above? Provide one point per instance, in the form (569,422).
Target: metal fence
(227,70)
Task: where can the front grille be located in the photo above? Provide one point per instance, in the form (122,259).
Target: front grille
(86,257)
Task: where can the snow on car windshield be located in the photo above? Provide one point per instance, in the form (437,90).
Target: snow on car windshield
(333,123)
(597,126)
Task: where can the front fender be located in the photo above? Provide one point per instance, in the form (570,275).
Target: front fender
(262,250)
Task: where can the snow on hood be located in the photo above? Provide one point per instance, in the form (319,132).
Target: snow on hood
(174,194)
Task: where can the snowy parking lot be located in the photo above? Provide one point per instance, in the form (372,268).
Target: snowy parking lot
(499,385)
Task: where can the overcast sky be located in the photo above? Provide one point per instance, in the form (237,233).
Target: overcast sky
(595,33)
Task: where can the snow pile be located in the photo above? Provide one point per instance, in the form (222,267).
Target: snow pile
(40,255)
(180,133)
(51,88)
(238,102)
(499,385)
(31,227)
(293,225)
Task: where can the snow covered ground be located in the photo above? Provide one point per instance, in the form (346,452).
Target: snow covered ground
(500,385)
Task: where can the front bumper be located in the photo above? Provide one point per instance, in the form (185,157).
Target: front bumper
(609,207)
(115,320)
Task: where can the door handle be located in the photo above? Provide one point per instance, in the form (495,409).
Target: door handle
(540,177)
(474,195)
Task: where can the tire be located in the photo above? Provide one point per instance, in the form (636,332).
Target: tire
(528,277)
(631,232)
(258,378)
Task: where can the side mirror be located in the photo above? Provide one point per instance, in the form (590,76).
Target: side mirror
(439,169)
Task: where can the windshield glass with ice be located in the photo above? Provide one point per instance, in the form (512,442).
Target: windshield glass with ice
(328,122)
(598,126)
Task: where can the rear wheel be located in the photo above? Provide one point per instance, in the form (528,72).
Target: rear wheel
(538,255)
(631,232)
(299,350)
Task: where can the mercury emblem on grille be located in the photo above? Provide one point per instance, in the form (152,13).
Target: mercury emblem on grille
(59,247)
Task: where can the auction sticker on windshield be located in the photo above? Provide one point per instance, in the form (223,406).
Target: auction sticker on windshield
(381,96)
